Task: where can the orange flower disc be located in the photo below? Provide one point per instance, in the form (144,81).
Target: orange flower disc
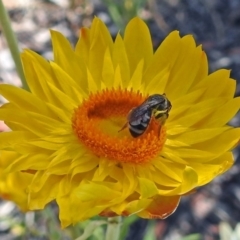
(98,122)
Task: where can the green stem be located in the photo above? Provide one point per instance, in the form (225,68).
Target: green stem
(12,43)
(113,228)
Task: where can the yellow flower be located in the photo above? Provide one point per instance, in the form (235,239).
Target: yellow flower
(13,186)
(69,131)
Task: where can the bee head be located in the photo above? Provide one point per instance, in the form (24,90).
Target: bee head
(159,102)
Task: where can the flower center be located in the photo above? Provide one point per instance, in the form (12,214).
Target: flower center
(98,121)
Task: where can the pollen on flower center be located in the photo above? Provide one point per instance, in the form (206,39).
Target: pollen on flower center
(98,120)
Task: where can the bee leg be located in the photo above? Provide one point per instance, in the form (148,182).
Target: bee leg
(124,126)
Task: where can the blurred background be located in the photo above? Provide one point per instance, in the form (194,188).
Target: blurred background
(213,212)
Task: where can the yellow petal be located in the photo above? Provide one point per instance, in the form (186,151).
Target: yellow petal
(108,69)
(208,171)
(119,57)
(40,199)
(117,81)
(147,188)
(222,143)
(8,139)
(159,82)
(100,40)
(164,57)
(223,114)
(63,51)
(189,57)
(36,81)
(92,86)
(200,135)
(136,80)
(136,206)
(26,100)
(90,191)
(83,45)
(138,44)
(68,85)
(30,120)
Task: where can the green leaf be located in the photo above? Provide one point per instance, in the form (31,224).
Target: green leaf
(90,229)
(150,233)
(126,222)
(195,236)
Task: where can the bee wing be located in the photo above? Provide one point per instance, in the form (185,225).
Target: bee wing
(139,121)
(140,116)
(137,112)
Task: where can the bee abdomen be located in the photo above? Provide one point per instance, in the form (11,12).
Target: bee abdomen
(138,127)
(136,131)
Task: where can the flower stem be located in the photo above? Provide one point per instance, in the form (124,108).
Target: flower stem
(113,228)
(12,43)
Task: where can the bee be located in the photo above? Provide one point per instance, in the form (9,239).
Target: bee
(138,119)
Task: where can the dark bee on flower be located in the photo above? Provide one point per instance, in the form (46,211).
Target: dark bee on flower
(138,119)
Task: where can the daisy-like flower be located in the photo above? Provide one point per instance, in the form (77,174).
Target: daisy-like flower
(69,131)
(13,185)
